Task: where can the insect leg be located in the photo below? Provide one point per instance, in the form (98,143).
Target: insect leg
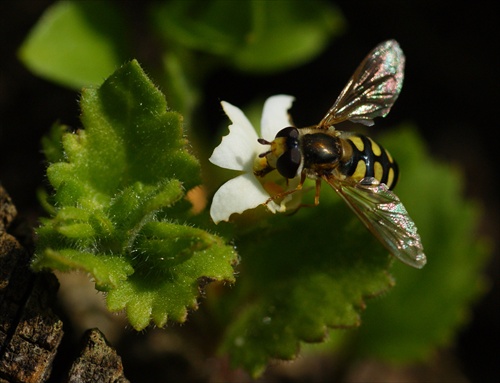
(318,190)
(316,198)
(284,194)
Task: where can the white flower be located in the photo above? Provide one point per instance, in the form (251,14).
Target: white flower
(239,151)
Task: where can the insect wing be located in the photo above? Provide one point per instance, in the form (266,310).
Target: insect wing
(372,89)
(384,215)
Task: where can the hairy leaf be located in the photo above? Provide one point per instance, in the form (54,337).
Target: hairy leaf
(118,187)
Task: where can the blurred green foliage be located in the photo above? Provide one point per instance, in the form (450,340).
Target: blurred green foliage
(254,36)
(76,43)
(80,43)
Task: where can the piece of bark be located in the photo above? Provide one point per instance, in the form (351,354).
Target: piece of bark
(7,210)
(98,362)
(29,330)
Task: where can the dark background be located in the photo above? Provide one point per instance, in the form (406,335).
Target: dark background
(451,92)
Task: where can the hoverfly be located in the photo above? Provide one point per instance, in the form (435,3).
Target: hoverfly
(362,172)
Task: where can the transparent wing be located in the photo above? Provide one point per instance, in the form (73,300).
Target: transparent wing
(372,89)
(384,215)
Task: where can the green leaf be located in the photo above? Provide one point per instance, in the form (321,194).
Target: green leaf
(181,73)
(76,43)
(286,34)
(108,270)
(255,36)
(177,257)
(119,185)
(52,143)
(427,307)
(301,275)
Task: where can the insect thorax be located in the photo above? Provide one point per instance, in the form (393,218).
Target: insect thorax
(321,152)
(368,159)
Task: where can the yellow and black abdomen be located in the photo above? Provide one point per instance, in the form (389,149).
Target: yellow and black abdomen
(369,159)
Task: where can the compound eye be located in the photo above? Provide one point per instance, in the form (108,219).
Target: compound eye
(289,132)
(288,163)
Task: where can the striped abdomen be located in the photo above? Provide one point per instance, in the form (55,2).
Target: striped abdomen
(369,159)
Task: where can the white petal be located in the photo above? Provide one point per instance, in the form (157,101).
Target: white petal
(237,151)
(275,115)
(237,195)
